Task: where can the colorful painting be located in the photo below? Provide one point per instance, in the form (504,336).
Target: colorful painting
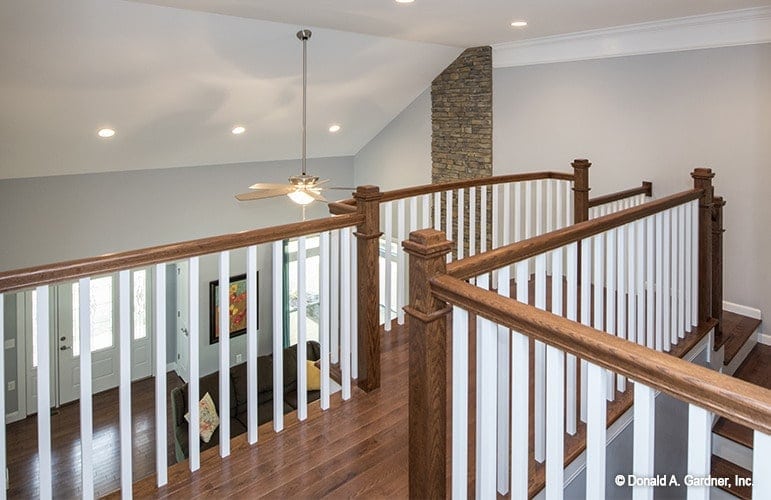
(237,307)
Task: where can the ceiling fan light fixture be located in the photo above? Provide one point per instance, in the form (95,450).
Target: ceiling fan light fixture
(300,197)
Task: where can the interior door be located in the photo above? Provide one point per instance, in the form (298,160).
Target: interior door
(105,359)
(183,340)
(141,327)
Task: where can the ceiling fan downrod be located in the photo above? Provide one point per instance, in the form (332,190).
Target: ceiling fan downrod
(304,35)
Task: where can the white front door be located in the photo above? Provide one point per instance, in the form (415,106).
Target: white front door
(65,340)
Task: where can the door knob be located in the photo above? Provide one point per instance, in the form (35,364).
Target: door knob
(63,348)
(63,338)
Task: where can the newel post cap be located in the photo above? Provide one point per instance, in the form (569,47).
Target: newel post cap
(367,193)
(581,163)
(427,243)
(702,173)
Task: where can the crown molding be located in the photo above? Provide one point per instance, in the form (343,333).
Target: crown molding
(723,29)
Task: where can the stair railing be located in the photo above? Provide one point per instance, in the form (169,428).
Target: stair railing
(638,295)
(348,242)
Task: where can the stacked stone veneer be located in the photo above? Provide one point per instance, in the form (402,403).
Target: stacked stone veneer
(462,126)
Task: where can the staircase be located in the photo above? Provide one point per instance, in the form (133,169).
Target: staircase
(745,359)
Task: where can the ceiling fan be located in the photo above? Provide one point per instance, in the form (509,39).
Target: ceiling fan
(302,189)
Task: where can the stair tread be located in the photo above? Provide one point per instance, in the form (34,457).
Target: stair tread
(736,330)
(756,369)
(724,468)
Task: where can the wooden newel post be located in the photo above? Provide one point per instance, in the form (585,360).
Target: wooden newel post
(717,264)
(427,249)
(368,277)
(581,190)
(702,179)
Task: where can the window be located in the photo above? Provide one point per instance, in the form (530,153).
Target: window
(101,315)
(140,304)
(292,294)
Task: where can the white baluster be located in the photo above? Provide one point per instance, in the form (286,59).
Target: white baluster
(555,395)
(193,395)
(520,389)
(549,205)
(461,223)
(569,212)
(459,403)
(224,354)
(506,230)
(252,418)
(2,412)
(631,288)
(413,216)
(438,211)
(483,219)
(425,212)
(572,314)
(448,219)
(659,284)
(640,285)
(345,313)
(598,267)
(761,454)
(518,212)
(596,431)
(644,438)
(699,449)
(504,337)
(539,201)
(324,293)
(124,334)
(302,330)
(472,220)
(387,234)
(486,412)
(621,237)
(161,460)
(586,311)
(666,248)
(650,330)
(86,391)
(496,240)
(355,305)
(540,364)
(681,272)
(695,263)
(610,297)
(560,194)
(278,336)
(44,392)
(400,264)
(528,209)
(334,286)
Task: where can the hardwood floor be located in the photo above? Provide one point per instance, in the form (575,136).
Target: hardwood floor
(22,444)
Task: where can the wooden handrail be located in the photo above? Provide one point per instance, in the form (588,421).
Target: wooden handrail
(521,250)
(729,397)
(345,206)
(646,188)
(51,273)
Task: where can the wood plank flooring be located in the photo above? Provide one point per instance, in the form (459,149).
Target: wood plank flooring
(736,330)
(22,444)
(757,370)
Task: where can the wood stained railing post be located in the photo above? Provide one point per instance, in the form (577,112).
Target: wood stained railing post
(717,265)
(368,276)
(581,190)
(702,179)
(428,450)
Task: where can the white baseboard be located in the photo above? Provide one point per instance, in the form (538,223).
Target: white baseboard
(14,416)
(750,312)
(764,338)
(170,367)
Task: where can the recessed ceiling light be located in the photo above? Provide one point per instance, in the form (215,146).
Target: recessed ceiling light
(105,133)
(518,24)
(404,1)
(334,128)
(238,130)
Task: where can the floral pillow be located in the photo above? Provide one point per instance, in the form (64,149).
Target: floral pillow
(209,420)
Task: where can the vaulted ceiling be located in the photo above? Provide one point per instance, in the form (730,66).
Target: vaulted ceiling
(173,77)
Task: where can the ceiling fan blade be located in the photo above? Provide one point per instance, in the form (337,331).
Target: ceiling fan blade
(316,195)
(340,188)
(267,185)
(322,181)
(268,193)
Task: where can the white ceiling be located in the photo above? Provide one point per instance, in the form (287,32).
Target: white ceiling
(173,82)
(462,23)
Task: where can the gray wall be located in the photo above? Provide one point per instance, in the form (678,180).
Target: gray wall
(655,117)
(49,219)
(400,155)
